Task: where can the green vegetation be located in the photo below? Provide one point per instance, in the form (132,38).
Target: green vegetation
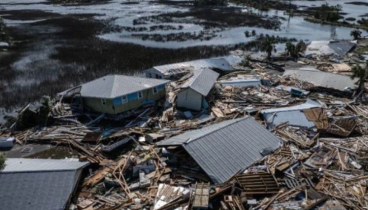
(294,50)
(362,75)
(265,5)
(2,161)
(254,33)
(363,22)
(268,46)
(249,34)
(44,111)
(209,2)
(361,50)
(357,34)
(328,13)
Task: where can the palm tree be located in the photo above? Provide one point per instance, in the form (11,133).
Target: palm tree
(294,50)
(357,34)
(268,45)
(362,75)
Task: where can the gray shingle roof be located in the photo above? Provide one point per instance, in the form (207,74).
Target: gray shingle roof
(214,63)
(202,81)
(112,86)
(36,190)
(341,47)
(323,79)
(223,149)
(24,164)
(46,187)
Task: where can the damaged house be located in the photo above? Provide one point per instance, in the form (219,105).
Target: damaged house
(323,79)
(114,94)
(175,70)
(192,93)
(224,149)
(34,184)
(339,48)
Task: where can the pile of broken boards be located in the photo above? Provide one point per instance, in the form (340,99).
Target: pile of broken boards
(318,161)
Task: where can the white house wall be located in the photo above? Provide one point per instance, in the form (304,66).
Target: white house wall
(189,99)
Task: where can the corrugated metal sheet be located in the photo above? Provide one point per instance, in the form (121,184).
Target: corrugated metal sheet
(202,81)
(213,63)
(194,134)
(27,165)
(112,86)
(223,149)
(323,79)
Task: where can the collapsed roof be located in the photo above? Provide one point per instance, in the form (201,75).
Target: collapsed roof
(329,47)
(323,79)
(223,149)
(294,115)
(213,63)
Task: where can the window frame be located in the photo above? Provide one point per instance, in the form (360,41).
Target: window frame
(103,101)
(153,90)
(124,101)
(140,94)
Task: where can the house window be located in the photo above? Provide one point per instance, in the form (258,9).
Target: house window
(154,90)
(149,75)
(103,102)
(124,99)
(158,76)
(140,95)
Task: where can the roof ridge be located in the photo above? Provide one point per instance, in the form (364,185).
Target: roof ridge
(40,171)
(113,85)
(206,134)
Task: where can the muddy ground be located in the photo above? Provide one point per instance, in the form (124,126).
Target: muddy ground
(61,51)
(59,44)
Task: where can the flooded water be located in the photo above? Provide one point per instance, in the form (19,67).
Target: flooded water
(121,13)
(351,10)
(56,47)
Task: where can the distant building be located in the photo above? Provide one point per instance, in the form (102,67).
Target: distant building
(114,94)
(175,70)
(323,79)
(339,48)
(34,184)
(193,92)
